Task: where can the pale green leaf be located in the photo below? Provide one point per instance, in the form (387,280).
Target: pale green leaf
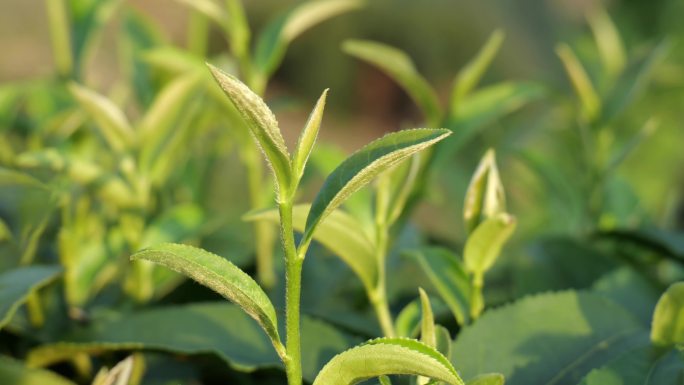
(485,196)
(307,139)
(610,46)
(217,328)
(210,9)
(386,356)
(384,380)
(364,165)
(10,177)
(238,28)
(548,339)
(16,373)
(446,273)
(340,233)
(427,324)
(17,284)
(221,276)
(443,341)
(487,379)
(120,374)
(262,124)
(173,60)
(484,245)
(278,34)
(157,126)
(470,75)
(111,121)
(668,318)
(399,67)
(588,97)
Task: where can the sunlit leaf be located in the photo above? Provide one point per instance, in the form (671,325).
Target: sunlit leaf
(386,356)
(15,373)
(262,124)
(484,245)
(399,67)
(610,46)
(588,97)
(221,276)
(643,365)
(361,167)
(668,318)
(111,121)
(279,33)
(487,379)
(307,138)
(427,324)
(469,76)
(485,196)
(17,284)
(340,233)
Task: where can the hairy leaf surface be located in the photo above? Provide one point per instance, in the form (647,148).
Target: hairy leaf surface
(386,356)
(221,276)
(361,167)
(307,138)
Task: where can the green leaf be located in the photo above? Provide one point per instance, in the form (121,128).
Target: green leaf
(340,233)
(487,379)
(485,196)
(443,341)
(209,9)
(633,80)
(668,318)
(669,243)
(484,245)
(643,365)
(554,338)
(386,356)
(427,324)
(469,76)
(399,67)
(588,97)
(111,121)
(221,276)
(278,34)
(120,374)
(628,288)
(487,105)
(307,139)
(364,165)
(17,284)
(445,271)
(217,328)
(610,46)
(262,124)
(15,373)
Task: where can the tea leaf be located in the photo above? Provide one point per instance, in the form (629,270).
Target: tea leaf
(468,77)
(634,79)
(443,341)
(572,333)
(485,195)
(399,67)
(361,167)
(386,356)
(17,284)
(307,138)
(668,318)
(487,379)
(588,97)
(610,46)
(278,34)
(209,9)
(221,329)
(59,34)
(340,233)
(15,372)
(262,124)
(484,245)
(221,276)
(446,273)
(119,375)
(427,324)
(644,365)
(111,121)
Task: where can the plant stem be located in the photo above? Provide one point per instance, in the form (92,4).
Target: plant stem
(477,298)
(378,296)
(293,279)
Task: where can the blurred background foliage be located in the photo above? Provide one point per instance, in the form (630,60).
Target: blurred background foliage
(565,222)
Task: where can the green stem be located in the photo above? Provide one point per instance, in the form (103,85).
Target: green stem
(378,296)
(293,278)
(477,298)
(60,34)
(198,34)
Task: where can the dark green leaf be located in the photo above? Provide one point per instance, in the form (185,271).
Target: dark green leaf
(17,284)
(15,373)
